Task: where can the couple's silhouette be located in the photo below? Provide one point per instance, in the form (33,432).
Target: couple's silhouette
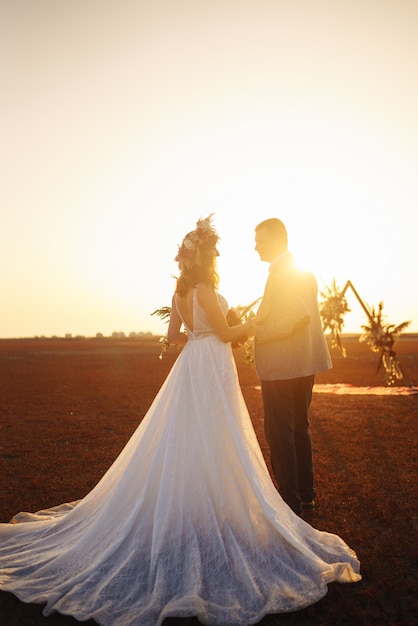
(187,521)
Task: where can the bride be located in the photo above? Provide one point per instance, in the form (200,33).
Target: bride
(186,522)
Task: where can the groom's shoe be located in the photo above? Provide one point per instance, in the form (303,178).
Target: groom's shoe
(308,506)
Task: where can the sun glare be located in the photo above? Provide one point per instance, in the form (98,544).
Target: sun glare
(250,129)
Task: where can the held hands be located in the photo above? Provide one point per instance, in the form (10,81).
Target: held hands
(246,329)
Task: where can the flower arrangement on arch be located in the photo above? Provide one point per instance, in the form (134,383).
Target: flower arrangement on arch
(332,310)
(378,335)
(381,337)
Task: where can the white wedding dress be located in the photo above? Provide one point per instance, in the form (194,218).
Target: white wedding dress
(185,522)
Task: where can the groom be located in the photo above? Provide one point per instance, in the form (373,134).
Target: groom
(290,348)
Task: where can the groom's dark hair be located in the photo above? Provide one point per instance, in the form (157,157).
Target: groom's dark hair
(276,229)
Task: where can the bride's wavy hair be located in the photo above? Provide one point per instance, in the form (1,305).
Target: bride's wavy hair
(196,257)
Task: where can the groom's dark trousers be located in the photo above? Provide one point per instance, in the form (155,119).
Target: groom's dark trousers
(286,425)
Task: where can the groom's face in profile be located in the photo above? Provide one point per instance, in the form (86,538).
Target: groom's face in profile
(265,245)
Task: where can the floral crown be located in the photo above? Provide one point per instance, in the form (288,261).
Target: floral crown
(189,253)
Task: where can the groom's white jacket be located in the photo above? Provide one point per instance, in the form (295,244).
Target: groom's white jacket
(289,340)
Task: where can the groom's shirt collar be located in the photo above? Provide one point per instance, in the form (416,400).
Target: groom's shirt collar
(277,259)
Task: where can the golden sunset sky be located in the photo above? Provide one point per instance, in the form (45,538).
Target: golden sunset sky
(123,122)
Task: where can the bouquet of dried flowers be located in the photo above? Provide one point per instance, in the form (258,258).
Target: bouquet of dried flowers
(164,314)
(239,315)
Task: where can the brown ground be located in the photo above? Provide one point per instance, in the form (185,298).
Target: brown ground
(67,407)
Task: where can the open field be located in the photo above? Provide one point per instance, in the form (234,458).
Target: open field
(67,407)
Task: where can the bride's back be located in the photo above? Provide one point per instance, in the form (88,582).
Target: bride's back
(184,304)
